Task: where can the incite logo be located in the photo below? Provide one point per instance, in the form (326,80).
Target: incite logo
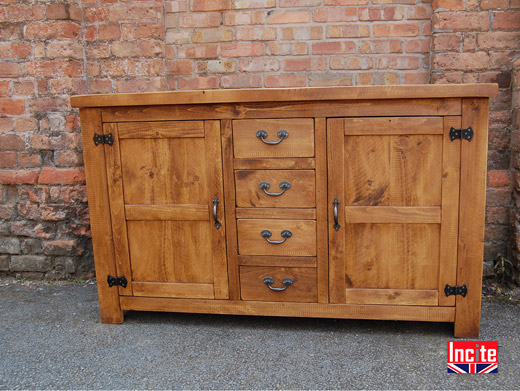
(472,357)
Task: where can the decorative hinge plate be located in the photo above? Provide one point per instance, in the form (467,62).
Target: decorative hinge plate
(120,281)
(103,139)
(455,290)
(466,134)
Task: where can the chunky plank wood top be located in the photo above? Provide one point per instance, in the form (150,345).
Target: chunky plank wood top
(288,94)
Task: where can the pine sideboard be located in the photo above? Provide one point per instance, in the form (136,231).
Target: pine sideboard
(341,202)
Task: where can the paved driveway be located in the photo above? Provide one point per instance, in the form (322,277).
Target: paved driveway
(51,337)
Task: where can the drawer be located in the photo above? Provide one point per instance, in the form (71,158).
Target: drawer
(298,143)
(298,284)
(299,237)
(275,188)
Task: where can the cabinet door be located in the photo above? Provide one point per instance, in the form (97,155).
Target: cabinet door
(164,178)
(396,182)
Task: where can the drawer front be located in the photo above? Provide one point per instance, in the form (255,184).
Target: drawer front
(298,284)
(298,143)
(298,237)
(275,188)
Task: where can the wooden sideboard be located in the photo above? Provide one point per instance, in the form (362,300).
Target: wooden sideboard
(343,202)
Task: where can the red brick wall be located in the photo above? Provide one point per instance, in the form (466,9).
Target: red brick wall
(51,49)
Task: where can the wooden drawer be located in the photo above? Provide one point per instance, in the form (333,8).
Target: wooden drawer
(301,287)
(302,240)
(259,188)
(299,143)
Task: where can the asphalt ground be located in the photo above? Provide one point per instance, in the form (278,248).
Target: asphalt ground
(51,337)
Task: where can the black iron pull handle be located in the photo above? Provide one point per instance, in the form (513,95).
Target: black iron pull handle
(266,234)
(266,185)
(336,224)
(215,204)
(287,282)
(282,135)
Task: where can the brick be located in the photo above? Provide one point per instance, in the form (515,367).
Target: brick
(44,105)
(65,49)
(28,211)
(380,13)
(246,4)
(419,12)
(286,17)
(493,4)
(259,65)
(135,12)
(198,51)
(447,42)
(139,48)
(51,175)
(4,88)
(11,142)
(19,13)
(285,49)
(61,67)
(333,47)
(178,37)
(396,30)
(109,32)
(149,30)
(329,15)
(348,31)
(176,6)
(198,83)
(460,61)
(26,124)
(330,79)
(499,40)
(210,5)
(242,49)
(241,81)
(351,62)
(498,196)
(61,247)
(56,213)
(75,13)
(179,67)
(285,80)
(7,159)
(141,85)
(57,11)
(21,50)
(255,34)
(200,20)
(457,21)
(418,45)
(4,263)
(299,3)
(448,4)
(215,66)
(9,246)
(302,33)
(19,176)
(381,46)
(50,30)
(103,86)
(506,20)
(6,124)
(417,78)
(498,178)
(212,35)
(24,88)
(305,64)
(29,160)
(9,70)
(112,68)
(346,2)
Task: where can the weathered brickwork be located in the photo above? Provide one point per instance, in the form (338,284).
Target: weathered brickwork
(51,49)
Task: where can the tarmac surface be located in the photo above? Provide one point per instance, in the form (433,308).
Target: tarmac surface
(51,337)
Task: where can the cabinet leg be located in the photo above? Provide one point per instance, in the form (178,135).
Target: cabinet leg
(114,316)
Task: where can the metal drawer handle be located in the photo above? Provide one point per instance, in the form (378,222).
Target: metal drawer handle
(266,185)
(287,282)
(336,224)
(286,234)
(262,135)
(215,204)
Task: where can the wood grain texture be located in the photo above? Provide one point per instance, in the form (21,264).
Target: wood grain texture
(393,296)
(450,210)
(362,108)
(263,260)
(168,129)
(97,190)
(276,213)
(322,233)
(229,199)
(293,94)
(475,113)
(392,125)
(336,190)
(167,212)
(303,290)
(302,242)
(301,194)
(308,310)
(117,208)
(393,214)
(181,291)
(275,164)
(300,142)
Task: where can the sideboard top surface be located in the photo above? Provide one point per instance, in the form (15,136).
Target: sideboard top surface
(481,90)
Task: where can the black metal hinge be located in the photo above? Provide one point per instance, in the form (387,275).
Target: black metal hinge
(466,134)
(103,139)
(455,290)
(121,281)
